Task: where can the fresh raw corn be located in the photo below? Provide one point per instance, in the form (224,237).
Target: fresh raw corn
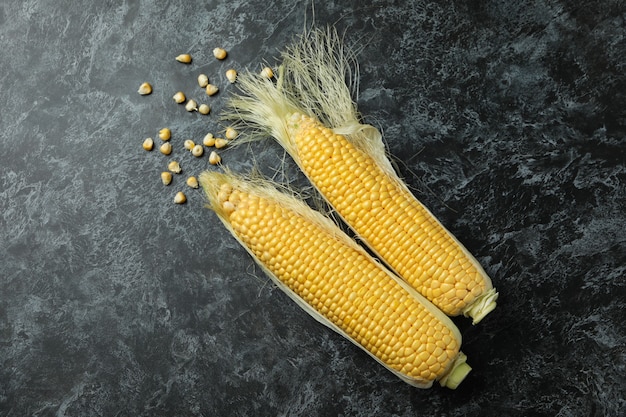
(203,80)
(208,140)
(338,282)
(214,158)
(165,134)
(179,97)
(231,75)
(188,144)
(197,151)
(184,58)
(204,109)
(180,198)
(148,144)
(145,89)
(389,219)
(346,161)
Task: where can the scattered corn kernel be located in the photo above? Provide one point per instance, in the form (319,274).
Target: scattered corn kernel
(211,89)
(267,72)
(174,167)
(230,133)
(166,148)
(179,97)
(189,144)
(219,53)
(203,80)
(209,140)
(191,105)
(166,177)
(145,89)
(184,58)
(197,150)
(165,133)
(148,144)
(214,158)
(192,182)
(220,143)
(231,75)
(204,109)
(180,198)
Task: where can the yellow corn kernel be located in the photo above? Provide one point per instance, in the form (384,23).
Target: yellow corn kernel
(214,158)
(180,198)
(148,144)
(231,75)
(338,282)
(204,109)
(191,105)
(184,58)
(192,182)
(208,140)
(188,144)
(179,97)
(145,89)
(219,53)
(197,151)
(174,166)
(211,89)
(230,133)
(165,134)
(220,143)
(166,177)
(203,80)
(166,148)
(267,72)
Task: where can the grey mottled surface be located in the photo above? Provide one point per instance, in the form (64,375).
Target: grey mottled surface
(507,118)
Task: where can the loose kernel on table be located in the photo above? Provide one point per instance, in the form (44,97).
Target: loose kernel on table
(203,80)
(209,140)
(220,143)
(214,158)
(174,167)
(267,72)
(211,90)
(179,97)
(230,133)
(204,109)
(184,58)
(192,182)
(191,105)
(197,151)
(180,198)
(219,53)
(231,75)
(166,177)
(165,134)
(145,89)
(166,148)
(189,144)
(148,144)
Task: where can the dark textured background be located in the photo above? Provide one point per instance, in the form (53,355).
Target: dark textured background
(507,118)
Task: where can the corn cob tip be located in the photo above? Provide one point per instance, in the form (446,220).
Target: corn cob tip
(482,306)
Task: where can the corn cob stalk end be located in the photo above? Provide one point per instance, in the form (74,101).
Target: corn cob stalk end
(457,373)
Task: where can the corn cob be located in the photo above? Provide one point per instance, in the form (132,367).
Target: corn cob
(338,282)
(310,112)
